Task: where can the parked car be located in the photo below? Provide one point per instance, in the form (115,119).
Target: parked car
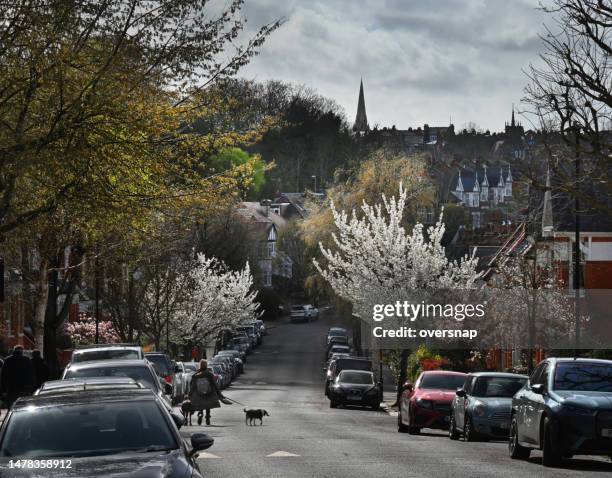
(251,333)
(355,387)
(337,340)
(565,409)
(262,327)
(338,365)
(427,403)
(107,352)
(243,342)
(338,349)
(163,364)
(336,332)
(227,369)
(228,362)
(122,433)
(222,377)
(482,407)
(141,371)
(236,356)
(180,384)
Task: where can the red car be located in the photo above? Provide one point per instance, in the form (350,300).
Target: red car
(427,403)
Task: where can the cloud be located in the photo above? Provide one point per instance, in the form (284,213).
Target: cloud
(421,61)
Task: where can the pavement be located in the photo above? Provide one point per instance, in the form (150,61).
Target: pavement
(303,437)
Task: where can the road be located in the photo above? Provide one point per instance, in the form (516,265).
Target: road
(284,376)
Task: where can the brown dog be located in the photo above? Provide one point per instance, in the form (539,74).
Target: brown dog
(252,414)
(187,411)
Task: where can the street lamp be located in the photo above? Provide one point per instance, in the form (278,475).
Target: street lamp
(315,183)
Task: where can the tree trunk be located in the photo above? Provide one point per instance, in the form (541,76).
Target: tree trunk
(42,295)
(50,330)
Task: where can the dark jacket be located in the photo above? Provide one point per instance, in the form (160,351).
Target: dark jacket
(208,401)
(41,371)
(17,376)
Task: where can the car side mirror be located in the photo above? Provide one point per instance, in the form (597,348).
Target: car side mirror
(538,388)
(167,388)
(200,442)
(407,387)
(460,392)
(178,419)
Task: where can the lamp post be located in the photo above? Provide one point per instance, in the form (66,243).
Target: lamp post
(577,245)
(315,183)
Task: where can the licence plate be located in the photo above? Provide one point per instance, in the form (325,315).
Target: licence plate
(606,432)
(353,398)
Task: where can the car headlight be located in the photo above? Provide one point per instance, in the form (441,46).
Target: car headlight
(480,409)
(429,404)
(576,410)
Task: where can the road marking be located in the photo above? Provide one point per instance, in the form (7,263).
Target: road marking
(281,453)
(207,455)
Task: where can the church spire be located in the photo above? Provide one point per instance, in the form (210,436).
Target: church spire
(361,120)
(513,123)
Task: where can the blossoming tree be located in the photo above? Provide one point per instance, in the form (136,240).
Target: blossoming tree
(83,331)
(216,298)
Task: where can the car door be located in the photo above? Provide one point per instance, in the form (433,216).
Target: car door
(461,402)
(534,404)
(521,403)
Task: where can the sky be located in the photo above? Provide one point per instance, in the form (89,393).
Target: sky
(422,61)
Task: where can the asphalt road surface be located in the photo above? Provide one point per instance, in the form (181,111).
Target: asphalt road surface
(303,437)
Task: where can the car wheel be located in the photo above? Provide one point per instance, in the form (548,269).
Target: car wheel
(401,428)
(515,449)
(551,455)
(453,434)
(333,404)
(468,429)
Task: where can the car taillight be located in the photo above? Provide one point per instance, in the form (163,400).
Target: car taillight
(168,379)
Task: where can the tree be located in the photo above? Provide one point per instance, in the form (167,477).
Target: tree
(83,331)
(95,98)
(230,158)
(571,96)
(215,299)
(377,261)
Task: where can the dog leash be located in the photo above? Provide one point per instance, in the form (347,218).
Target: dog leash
(235,401)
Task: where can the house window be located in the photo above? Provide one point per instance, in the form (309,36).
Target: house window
(275,209)
(267,278)
(476,220)
(271,249)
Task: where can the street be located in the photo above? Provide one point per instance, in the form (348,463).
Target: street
(284,376)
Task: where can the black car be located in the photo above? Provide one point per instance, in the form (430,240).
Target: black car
(355,387)
(565,409)
(122,433)
(345,363)
(163,364)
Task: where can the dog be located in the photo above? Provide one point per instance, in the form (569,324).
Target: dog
(187,411)
(253,414)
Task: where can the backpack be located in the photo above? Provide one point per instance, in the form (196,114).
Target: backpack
(203,386)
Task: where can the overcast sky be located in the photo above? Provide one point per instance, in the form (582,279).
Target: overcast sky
(422,61)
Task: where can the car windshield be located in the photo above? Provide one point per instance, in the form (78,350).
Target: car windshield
(441,381)
(104,354)
(161,363)
(498,386)
(87,430)
(140,374)
(344,364)
(356,377)
(191,367)
(583,376)
(337,333)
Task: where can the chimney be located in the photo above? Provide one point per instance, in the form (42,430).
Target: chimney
(265,206)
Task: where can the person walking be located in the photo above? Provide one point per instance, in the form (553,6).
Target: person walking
(17,376)
(41,371)
(203,392)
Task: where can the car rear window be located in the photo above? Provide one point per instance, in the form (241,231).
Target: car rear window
(105,354)
(87,430)
(442,381)
(141,374)
(583,376)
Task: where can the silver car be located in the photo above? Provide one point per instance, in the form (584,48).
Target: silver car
(482,407)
